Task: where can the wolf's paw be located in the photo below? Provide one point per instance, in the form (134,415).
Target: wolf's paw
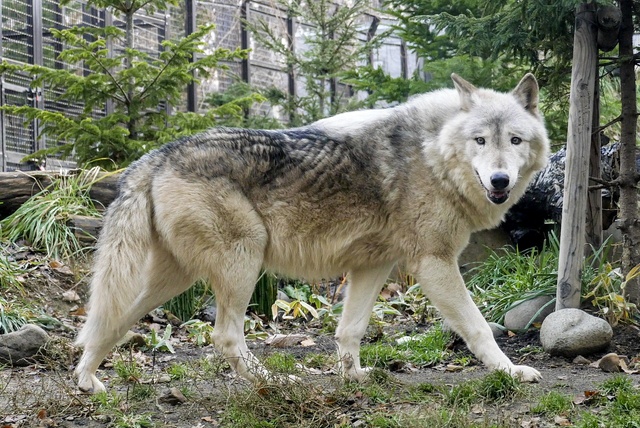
(357,375)
(89,384)
(525,373)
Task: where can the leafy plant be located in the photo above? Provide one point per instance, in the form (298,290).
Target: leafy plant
(161,343)
(293,310)
(509,277)
(43,220)
(265,293)
(607,294)
(200,332)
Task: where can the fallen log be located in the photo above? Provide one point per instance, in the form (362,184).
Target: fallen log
(18,186)
(86,229)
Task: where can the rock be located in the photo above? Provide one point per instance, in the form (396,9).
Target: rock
(581,361)
(19,347)
(572,332)
(497,329)
(209,313)
(173,396)
(283,296)
(517,318)
(137,340)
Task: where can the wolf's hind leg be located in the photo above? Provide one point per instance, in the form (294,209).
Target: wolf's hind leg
(362,293)
(443,285)
(162,279)
(233,289)
(221,237)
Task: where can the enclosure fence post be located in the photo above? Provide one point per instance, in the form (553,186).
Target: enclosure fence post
(572,236)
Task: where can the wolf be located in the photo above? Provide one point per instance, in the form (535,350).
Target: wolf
(358,193)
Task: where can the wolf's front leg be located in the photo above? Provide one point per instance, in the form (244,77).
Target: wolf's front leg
(442,283)
(362,293)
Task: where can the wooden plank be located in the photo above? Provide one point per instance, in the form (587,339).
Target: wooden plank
(572,236)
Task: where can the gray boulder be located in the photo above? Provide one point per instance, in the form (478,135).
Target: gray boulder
(497,329)
(19,347)
(517,318)
(572,332)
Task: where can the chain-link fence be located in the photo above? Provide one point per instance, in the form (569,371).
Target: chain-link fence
(26,39)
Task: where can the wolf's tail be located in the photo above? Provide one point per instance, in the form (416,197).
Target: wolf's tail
(120,258)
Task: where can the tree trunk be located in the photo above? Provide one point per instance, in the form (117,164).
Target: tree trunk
(572,234)
(628,221)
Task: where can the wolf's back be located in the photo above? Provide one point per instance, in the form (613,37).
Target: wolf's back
(123,245)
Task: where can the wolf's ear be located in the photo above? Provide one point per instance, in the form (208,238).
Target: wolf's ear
(465,90)
(527,93)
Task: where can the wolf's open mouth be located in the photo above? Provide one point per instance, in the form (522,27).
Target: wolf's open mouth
(498,197)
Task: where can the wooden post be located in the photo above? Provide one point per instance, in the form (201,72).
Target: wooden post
(572,236)
(594,198)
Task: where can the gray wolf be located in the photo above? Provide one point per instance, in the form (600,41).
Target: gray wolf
(357,193)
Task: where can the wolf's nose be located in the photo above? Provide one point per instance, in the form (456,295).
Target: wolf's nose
(500,181)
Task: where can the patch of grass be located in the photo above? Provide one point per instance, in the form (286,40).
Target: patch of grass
(295,404)
(553,403)
(43,219)
(618,407)
(509,276)
(178,371)
(10,271)
(11,318)
(498,386)
(126,420)
(320,361)
(421,350)
(282,363)
(128,370)
(106,401)
(615,385)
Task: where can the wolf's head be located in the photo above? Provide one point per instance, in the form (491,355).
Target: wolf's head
(500,135)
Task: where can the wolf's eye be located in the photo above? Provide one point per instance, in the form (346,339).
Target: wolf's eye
(516,140)
(480,141)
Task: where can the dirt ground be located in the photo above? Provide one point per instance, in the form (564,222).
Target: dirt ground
(44,395)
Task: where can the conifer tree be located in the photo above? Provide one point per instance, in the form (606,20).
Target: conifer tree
(139,86)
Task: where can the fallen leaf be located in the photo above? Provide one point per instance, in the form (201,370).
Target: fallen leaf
(60,267)
(80,312)
(307,342)
(285,340)
(454,368)
(562,421)
(610,363)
